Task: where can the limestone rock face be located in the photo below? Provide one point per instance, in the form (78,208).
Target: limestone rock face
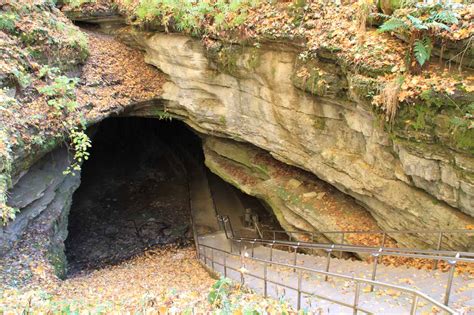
(42,194)
(251,97)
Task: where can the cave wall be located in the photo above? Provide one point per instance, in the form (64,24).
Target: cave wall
(43,196)
(253,98)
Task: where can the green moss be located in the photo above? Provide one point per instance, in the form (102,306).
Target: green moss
(464,140)
(438,118)
(254,60)
(319,78)
(58,260)
(364,88)
(319,123)
(314,83)
(226,57)
(222,120)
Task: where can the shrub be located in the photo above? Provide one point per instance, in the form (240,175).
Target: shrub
(62,86)
(189,15)
(7,21)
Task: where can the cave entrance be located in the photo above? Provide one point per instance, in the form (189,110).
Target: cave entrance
(134,191)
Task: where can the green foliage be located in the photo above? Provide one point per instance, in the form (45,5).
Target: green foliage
(22,77)
(80,142)
(7,214)
(63,97)
(416,23)
(422,49)
(48,72)
(77,3)
(5,100)
(393,24)
(419,30)
(78,40)
(444,16)
(7,21)
(163,115)
(63,103)
(188,15)
(462,129)
(62,86)
(219,293)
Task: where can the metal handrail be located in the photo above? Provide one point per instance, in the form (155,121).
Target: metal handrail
(439,233)
(386,251)
(374,231)
(358,281)
(451,257)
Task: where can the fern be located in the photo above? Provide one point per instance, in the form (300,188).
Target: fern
(422,49)
(417,23)
(446,17)
(435,25)
(392,25)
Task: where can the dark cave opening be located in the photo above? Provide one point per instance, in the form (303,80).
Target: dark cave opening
(134,191)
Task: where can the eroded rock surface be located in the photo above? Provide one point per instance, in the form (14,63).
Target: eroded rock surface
(337,137)
(43,195)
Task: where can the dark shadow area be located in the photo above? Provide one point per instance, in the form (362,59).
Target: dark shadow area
(134,191)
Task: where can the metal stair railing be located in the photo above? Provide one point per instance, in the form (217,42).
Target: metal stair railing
(342,234)
(451,257)
(210,259)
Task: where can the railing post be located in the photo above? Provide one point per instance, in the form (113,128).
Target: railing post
(274,235)
(299,290)
(452,264)
(342,243)
(242,267)
(240,247)
(295,257)
(312,241)
(438,247)
(374,270)
(265,279)
(356,298)
(225,265)
(328,261)
(384,237)
(205,256)
(253,246)
(271,251)
(227,220)
(212,258)
(414,305)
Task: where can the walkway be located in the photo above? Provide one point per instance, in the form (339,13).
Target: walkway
(386,301)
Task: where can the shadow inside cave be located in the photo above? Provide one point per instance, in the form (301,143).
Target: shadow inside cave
(134,191)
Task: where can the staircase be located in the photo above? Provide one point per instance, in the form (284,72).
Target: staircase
(330,285)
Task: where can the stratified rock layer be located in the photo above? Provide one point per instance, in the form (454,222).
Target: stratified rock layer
(336,136)
(43,195)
